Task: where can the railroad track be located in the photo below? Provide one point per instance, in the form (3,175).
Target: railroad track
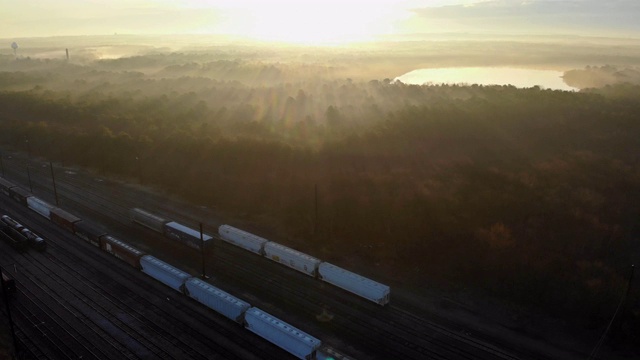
(275,291)
(50,321)
(203,337)
(364,329)
(141,308)
(408,335)
(359,317)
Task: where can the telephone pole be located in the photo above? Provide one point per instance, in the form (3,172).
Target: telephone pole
(202,247)
(53,178)
(5,298)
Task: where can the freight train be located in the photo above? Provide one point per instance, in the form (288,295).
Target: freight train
(19,236)
(170,229)
(309,265)
(265,325)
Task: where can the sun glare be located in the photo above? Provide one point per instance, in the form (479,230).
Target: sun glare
(310,21)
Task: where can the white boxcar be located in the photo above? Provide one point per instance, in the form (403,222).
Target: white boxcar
(163,272)
(185,235)
(243,239)
(145,218)
(216,299)
(293,340)
(41,207)
(357,284)
(292,258)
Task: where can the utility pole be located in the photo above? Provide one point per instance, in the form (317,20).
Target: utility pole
(315,222)
(55,191)
(28,148)
(204,272)
(5,298)
(29,177)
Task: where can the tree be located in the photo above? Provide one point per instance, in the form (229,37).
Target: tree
(332,115)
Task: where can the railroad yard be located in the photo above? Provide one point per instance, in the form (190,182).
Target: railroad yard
(75,301)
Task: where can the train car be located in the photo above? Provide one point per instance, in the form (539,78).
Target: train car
(8,283)
(354,283)
(147,219)
(14,238)
(289,338)
(5,186)
(163,272)
(292,258)
(40,206)
(328,353)
(20,195)
(89,232)
(121,250)
(216,299)
(35,241)
(242,239)
(11,222)
(64,219)
(185,235)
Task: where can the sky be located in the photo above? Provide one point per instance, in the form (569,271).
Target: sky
(317,21)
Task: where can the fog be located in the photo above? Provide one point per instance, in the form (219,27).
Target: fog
(525,195)
(308,21)
(366,61)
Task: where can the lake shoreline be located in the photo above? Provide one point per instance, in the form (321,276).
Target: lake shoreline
(518,77)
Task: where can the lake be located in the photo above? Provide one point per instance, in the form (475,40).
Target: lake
(518,77)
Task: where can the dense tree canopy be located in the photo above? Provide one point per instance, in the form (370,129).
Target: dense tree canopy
(531,194)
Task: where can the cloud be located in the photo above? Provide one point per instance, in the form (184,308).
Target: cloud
(91,21)
(541,15)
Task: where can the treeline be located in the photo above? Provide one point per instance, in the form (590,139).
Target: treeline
(530,194)
(601,76)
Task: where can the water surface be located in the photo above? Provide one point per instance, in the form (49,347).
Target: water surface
(521,78)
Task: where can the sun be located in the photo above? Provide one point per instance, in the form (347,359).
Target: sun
(315,23)
(309,21)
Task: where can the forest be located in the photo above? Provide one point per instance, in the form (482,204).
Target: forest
(530,195)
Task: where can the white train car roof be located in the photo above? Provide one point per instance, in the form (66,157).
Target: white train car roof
(217,292)
(356,277)
(163,265)
(284,327)
(291,251)
(242,238)
(187,230)
(355,283)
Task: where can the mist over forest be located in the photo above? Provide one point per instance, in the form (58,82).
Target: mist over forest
(530,195)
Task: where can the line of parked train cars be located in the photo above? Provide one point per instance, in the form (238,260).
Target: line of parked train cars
(18,236)
(170,229)
(309,265)
(278,332)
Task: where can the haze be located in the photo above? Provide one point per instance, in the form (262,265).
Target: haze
(315,21)
(484,199)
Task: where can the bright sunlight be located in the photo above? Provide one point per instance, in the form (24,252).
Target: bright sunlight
(310,22)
